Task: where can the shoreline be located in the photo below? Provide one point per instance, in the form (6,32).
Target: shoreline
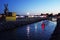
(9,25)
(56,33)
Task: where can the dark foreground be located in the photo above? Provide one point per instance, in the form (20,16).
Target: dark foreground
(56,34)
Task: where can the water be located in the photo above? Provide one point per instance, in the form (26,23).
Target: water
(30,32)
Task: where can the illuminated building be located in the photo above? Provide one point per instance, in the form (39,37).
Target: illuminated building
(7,16)
(11,17)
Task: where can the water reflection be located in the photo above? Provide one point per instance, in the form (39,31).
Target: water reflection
(28,31)
(35,32)
(35,27)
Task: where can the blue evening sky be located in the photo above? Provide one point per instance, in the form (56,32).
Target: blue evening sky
(31,6)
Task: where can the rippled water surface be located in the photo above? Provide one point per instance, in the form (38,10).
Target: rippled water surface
(30,32)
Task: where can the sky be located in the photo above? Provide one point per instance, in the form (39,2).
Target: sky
(32,7)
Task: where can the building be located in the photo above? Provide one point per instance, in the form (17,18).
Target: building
(7,16)
(11,17)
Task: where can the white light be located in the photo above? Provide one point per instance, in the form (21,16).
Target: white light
(35,26)
(22,16)
(54,19)
(30,16)
(17,16)
(28,31)
(27,13)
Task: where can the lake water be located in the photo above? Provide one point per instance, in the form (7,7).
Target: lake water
(30,32)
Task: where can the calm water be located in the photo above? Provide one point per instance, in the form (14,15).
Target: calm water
(30,32)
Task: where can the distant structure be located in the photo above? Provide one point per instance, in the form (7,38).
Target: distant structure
(10,16)
(7,16)
(6,9)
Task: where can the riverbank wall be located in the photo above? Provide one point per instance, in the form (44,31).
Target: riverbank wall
(7,25)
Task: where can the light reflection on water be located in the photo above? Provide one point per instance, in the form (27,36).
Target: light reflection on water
(30,32)
(35,27)
(37,30)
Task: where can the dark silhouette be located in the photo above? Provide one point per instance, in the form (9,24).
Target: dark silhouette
(6,9)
